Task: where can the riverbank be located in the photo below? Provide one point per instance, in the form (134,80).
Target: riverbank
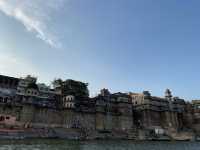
(57,144)
(77,134)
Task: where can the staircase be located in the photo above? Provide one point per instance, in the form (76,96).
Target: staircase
(133,134)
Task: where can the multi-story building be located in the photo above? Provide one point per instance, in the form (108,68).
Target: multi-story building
(155,112)
(29,91)
(26,103)
(7,82)
(27,86)
(196,104)
(113,111)
(8,87)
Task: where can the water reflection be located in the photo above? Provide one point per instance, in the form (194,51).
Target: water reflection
(95,145)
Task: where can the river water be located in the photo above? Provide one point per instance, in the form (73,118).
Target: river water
(95,145)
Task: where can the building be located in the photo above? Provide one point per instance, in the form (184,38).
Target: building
(7,82)
(155,112)
(26,103)
(113,112)
(8,88)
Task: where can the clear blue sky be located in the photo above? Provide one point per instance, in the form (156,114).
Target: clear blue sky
(123,45)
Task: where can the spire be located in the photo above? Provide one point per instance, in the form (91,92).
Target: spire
(168,94)
(105,92)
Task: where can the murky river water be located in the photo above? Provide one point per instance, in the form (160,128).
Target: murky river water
(95,145)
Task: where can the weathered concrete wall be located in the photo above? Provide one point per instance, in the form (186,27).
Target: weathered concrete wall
(166,119)
(171,119)
(87,120)
(125,122)
(66,118)
(196,122)
(148,118)
(27,114)
(47,116)
(10,110)
(188,119)
(114,123)
(100,121)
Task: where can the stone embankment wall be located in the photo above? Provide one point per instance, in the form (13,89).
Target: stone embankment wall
(66,118)
(67,122)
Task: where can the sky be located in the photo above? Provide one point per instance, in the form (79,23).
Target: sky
(122,45)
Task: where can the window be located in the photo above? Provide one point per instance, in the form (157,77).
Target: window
(7,117)
(5,100)
(2,118)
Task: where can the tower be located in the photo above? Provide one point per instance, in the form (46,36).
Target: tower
(168,94)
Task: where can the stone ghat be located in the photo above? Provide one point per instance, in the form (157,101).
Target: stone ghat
(39,133)
(77,134)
